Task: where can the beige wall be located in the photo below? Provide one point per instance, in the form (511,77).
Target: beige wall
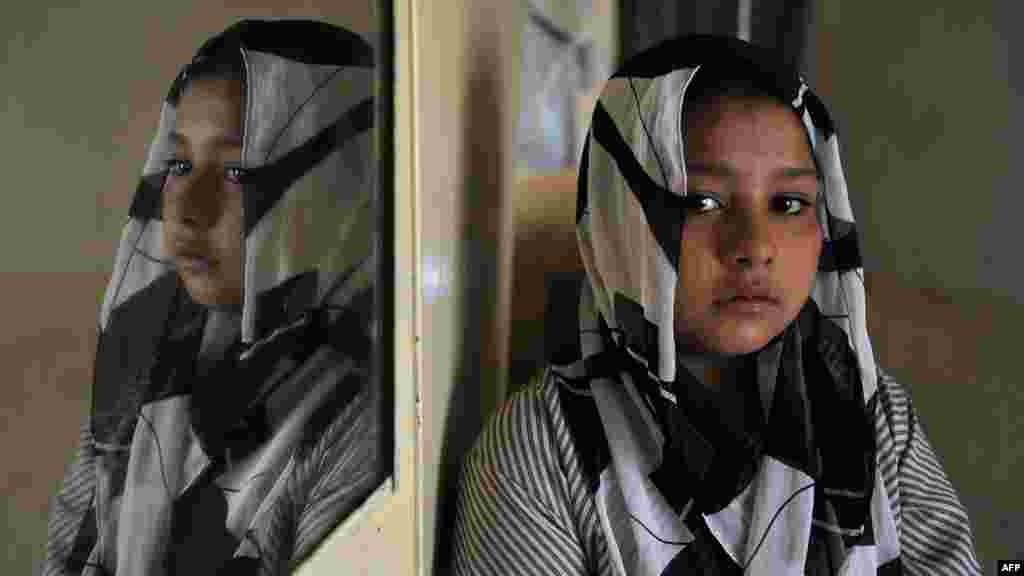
(465,101)
(924,99)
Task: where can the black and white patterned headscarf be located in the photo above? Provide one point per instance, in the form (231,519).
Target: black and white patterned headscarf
(683,490)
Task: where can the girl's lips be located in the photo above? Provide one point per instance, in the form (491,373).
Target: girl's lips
(753,306)
(195,264)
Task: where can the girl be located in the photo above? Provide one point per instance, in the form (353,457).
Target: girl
(725,414)
(233,421)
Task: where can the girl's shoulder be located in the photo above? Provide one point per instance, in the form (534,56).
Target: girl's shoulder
(529,473)
(542,435)
(519,434)
(893,409)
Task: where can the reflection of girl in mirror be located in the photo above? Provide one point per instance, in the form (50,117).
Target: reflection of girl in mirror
(233,421)
(725,414)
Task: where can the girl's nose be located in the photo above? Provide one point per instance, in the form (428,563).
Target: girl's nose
(751,243)
(194,202)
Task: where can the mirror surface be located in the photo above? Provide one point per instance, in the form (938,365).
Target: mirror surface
(117,334)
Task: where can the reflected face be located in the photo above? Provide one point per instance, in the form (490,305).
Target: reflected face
(750,246)
(202,196)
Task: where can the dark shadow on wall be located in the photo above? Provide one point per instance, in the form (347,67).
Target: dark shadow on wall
(480,244)
(644,24)
(785,26)
(779,24)
(543,254)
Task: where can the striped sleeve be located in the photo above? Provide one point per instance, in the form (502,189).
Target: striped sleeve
(522,506)
(934,530)
(70,511)
(341,469)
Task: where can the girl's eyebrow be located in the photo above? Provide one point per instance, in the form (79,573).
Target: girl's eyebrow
(225,141)
(723,170)
(797,172)
(710,169)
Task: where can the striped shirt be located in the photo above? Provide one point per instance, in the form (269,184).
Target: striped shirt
(524,506)
(323,484)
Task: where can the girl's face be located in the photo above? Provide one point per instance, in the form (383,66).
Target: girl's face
(202,196)
(749,251)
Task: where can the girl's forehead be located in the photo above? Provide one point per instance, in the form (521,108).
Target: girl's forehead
(210,93)
(731,109)
(727,125)
(209,108)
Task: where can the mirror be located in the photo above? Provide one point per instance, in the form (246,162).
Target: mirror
(202,342)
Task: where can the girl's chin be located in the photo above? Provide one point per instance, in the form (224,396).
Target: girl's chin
(742,348)
(739,342)
(204,294)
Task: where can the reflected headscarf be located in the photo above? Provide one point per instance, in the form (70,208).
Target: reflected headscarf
(307,207)
(303,347)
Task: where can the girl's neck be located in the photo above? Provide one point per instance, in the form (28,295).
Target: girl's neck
(718,373)
(712,371)
(223,326)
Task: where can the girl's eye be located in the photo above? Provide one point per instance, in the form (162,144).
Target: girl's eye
(234,174)
(178,167)
(793,206)
(702,203)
